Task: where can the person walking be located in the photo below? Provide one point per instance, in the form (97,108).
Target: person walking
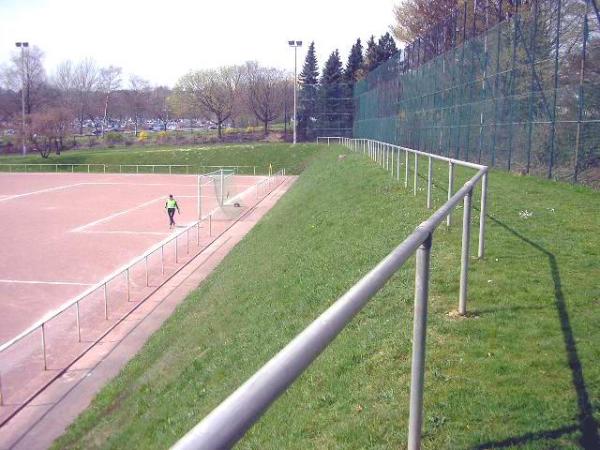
(171,206)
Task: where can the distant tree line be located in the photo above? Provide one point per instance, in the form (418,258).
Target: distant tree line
(82,98)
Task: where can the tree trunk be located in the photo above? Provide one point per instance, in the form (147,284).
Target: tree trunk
(105,114)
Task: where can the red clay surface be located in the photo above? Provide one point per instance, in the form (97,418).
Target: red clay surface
(61,234)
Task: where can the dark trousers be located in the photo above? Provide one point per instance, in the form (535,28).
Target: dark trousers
(171,212)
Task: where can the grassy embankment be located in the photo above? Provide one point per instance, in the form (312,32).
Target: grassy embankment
(521,371)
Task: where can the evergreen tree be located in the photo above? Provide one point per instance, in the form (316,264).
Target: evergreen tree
(386,48)
(308,95)
(352,73)
(333,115)
(371,56)
(355,63)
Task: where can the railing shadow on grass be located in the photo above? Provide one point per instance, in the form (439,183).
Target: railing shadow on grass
(587,424)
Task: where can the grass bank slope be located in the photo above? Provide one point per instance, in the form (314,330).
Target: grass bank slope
(520,372)
(293,158)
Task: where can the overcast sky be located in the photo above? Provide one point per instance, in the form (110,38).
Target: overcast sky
(162,40)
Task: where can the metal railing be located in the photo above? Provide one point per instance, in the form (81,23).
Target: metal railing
(101,289)
(123,168)
(229,421)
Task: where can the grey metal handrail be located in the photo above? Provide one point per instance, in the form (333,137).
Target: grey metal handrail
(229,421)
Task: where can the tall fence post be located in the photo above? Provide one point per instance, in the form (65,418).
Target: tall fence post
(415,175)
(406,169)
(417,375)
(482,213)
(450,189)
(429,181)
(464,256)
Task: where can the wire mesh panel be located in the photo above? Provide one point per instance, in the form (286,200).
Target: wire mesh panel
(512,84)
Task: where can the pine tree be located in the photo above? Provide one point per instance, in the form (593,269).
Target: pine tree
(355,63)
(332,72)
(332,117)
(352,73)
(308,95)
(386,48)
(371,56)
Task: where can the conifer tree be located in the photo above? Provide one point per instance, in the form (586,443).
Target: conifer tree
(371,60)
(332,116)
(386,48)
(352,72)
(308,94)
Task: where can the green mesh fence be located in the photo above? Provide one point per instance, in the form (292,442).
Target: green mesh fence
(508,84)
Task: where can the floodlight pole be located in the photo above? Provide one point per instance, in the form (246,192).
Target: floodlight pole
(22,46)
(295,44)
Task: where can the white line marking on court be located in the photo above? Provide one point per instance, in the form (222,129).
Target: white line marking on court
(70,283)
(112,216)
(56,188)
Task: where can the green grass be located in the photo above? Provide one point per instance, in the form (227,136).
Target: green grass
(293,158)
(520,372)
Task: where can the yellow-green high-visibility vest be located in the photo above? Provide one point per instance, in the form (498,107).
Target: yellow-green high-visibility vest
(171,203)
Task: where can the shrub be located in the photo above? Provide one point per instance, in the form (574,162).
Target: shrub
(113,138)
(162,137)
(142,136)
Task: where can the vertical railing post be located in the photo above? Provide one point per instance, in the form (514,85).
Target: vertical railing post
(406,169)
(429,180)
(464,254)
(44,346)
(417,376)
(398,166)
(481,249)
(450,189)
(416,174)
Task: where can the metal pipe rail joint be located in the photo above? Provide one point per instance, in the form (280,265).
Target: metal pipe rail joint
(229,421)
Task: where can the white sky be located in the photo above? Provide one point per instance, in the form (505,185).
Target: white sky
(162,40)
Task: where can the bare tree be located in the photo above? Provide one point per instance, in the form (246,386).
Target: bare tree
(266,90)
(138,95)
(49,129)
(78,84)
(28,71)
(109,81)
(160,106)
(215,92)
